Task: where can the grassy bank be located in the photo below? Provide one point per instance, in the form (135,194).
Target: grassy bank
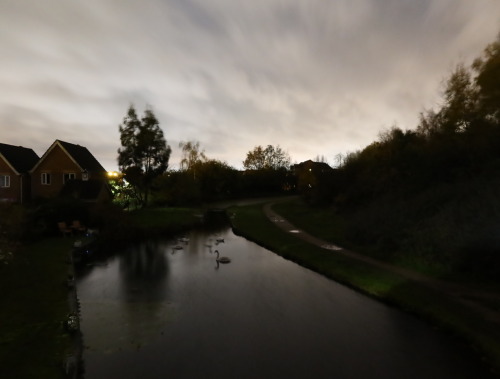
(465,323)
(33,306)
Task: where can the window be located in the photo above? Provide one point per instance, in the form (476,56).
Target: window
(69,176)
(45,178)
(4,181)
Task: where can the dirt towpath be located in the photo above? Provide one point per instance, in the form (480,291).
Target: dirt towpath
(475,299)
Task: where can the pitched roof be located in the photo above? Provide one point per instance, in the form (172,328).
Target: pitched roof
(82,156)
(20,159)
(79,154)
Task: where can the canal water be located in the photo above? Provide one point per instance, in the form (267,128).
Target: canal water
(153,311)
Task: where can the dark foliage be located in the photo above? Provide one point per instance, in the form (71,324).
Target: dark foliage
(216,181)
(144,152)
(430,195)
(42,218)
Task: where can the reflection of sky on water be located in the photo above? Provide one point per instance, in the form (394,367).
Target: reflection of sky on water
(123,302)
(143,270)
(178,313)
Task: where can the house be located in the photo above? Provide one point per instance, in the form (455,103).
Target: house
(314,181)
(66,169)
(15,163)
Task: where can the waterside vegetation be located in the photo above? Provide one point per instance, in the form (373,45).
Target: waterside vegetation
(453,314)
(34,305)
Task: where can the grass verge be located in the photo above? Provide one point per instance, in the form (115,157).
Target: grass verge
(463,322)
(33,306)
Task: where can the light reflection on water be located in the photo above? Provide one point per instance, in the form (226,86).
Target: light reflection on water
(155,312)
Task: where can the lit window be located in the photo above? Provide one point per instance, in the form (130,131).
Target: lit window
(69,176)
(46,178)
(4,181)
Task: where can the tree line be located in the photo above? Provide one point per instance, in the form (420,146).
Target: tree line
(431,195)
(427,196)
(143,161)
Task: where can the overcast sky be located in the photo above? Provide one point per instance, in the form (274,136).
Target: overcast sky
(317,77)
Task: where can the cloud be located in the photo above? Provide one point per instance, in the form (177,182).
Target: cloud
(316,77)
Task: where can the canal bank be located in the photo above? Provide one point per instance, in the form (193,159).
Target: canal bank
(457,310)
(39,293)
(34,306)
(167,305)
(72,364)
(39,299)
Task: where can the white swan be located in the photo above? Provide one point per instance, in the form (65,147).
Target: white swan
(221,259)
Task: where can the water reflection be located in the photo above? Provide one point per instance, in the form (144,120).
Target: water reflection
(158,314)
(143,271)
(124,302)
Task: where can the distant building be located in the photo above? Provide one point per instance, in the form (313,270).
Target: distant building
(314,181)
(15,180)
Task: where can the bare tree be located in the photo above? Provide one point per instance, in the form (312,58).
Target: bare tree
(192,156)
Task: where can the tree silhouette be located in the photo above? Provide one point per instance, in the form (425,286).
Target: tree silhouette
(144,153)
(487,68)
(192,156)
(430,195)
(271,157)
